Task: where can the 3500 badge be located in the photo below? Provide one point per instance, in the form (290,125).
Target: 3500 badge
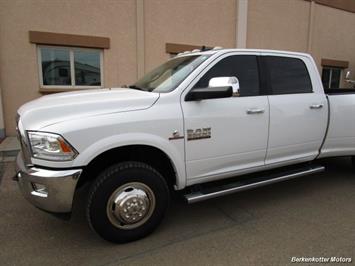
(199,133)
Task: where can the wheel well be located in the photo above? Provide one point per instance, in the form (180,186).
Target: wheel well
(141,153)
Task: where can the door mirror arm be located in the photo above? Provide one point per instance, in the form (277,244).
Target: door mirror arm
(198,94)
(218,87)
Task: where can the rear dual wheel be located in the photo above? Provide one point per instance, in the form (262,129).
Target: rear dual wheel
(127,201)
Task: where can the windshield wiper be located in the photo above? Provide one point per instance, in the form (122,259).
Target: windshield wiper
(136,87)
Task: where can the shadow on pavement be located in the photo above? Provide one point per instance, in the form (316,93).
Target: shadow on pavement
(257,217)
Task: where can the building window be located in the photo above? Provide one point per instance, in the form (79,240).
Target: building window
(69,68)
(331,77)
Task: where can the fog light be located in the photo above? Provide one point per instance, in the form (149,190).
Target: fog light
(39,190)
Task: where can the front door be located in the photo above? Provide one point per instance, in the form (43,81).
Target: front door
(228,135)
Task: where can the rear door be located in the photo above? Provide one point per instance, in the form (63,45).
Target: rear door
(298,110)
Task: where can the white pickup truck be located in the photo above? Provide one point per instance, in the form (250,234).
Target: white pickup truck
(204,123)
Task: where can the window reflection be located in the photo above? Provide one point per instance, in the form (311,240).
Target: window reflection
(87,68)
(55,66)
(335,78)
(331,77)
(64,66)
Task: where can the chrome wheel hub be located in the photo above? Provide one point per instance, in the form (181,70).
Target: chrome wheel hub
(130,205)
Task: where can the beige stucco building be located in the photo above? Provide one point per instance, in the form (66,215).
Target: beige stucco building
(117,41)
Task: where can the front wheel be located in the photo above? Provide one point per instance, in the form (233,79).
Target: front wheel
(127,202)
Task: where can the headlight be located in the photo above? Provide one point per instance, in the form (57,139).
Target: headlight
(49,146)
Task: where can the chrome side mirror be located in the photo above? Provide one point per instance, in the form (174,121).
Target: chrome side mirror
(348,80)
(225,82)
(347,75)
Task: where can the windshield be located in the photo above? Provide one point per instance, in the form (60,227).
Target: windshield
(169,75)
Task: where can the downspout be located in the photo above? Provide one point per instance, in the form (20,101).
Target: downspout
(2,125)
(140,38)
(241,23)
(310,27)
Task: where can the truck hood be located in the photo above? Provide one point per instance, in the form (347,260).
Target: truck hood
(55,108)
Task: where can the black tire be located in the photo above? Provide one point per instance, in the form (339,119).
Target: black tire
(107,183)
(353,160)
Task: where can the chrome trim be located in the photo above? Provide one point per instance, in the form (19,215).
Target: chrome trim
(22,137)
(173,138)
(199,196)
(255,111)
(60,186)
(199,133)
(176,135)
(39,194)
(131,205)
(316,106)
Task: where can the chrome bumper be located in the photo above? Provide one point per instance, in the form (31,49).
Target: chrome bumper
(50,190)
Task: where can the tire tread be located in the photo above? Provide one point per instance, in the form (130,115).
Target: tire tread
(107,173)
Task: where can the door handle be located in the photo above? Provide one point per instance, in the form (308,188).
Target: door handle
(255,111)
(316,106)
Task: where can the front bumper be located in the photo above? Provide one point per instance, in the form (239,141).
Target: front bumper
(50,190)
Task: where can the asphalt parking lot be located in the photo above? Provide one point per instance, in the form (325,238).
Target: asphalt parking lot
(312,216)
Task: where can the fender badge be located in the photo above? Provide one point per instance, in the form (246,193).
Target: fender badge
(199,133)
(176,135)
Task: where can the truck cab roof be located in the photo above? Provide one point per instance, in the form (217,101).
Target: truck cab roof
(220,51)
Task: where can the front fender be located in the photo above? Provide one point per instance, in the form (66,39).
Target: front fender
(121,140)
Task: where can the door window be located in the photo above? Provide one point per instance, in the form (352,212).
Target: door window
(288,75)
(244,67)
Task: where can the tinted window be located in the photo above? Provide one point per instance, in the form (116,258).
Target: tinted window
(244,67)
(288,75)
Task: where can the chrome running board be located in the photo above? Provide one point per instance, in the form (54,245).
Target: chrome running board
(246,184)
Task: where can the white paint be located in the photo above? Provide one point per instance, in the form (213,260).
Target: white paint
(51,109)
(231,145)
(296,130)
(341,133)
(98,120)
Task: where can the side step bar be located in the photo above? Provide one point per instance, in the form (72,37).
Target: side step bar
(247,184)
